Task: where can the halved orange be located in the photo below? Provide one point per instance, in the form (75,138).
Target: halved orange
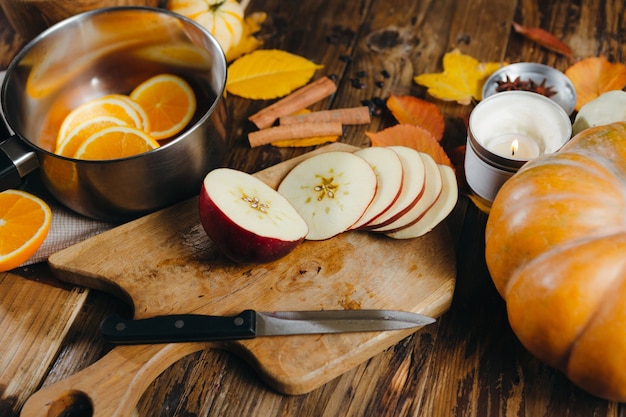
(24,224)
(68,145)
(116,142)
(169,102)
(111,105)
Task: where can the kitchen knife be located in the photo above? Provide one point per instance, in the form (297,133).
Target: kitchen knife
(250,324)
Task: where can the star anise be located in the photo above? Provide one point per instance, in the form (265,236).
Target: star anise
(530,85)
(543,89)
(508,85)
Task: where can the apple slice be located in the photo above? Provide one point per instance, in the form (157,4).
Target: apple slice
(247,219)
(331,191)
(413,180)
(432,189)
(388,169)
(438,212)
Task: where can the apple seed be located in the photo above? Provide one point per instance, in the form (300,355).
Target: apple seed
(327,188)
(256,204)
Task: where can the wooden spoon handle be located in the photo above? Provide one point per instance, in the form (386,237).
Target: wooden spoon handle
(110,387)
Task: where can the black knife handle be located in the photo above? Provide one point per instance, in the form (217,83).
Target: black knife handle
(179,328)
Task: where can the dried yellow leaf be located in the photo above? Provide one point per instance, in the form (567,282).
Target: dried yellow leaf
(268,73)
(462,78)
(304,142)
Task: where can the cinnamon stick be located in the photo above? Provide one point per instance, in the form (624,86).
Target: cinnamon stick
(346,116)
(294,131)
(298,100)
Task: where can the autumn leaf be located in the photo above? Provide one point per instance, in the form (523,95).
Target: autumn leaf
(411,136)
(544,38)
(268,73)
(594,76)
(248,43)
(415,111)
(462,78)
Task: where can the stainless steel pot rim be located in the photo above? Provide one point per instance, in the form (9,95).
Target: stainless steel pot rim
(81,16)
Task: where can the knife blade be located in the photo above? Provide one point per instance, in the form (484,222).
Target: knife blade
(250,324)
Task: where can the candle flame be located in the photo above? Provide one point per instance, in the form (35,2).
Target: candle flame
(514,146)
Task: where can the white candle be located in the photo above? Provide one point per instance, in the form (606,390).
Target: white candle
(514,146)
(538,124)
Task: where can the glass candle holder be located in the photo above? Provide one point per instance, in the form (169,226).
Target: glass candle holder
(506,130)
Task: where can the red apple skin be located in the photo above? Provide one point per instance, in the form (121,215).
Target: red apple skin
(238,244)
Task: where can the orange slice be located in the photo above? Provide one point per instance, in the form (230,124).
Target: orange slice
(68,145)
(143,116)
(169,102)
(116,142)
(111,105)
(24,224)
(178,54)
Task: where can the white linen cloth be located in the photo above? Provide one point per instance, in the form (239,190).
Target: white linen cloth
(66,228)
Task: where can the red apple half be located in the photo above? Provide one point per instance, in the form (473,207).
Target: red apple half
(438,212)
(388,168)
(331,191)
(247,219)
(413,181)
(432,188)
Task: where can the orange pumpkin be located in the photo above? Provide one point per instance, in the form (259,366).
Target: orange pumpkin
(556,251)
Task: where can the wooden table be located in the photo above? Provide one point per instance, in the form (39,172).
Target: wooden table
(469,363)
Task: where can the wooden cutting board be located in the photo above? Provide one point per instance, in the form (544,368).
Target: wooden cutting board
(165,264)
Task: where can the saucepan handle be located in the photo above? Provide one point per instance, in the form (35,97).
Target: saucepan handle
(110,387)
(16,161)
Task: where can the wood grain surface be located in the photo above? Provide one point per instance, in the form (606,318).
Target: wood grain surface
(36,316)
(469,363)
(176,269)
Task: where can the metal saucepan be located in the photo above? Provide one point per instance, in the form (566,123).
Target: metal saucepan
(101,52)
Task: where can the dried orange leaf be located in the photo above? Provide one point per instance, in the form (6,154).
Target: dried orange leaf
(248,43)
(268,73)
(411,136)
(544,38)
(415,111)
(304,142)
(594,76)
(462,78)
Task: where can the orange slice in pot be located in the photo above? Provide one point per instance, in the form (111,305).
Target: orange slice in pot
(169,102)
(143,116)
(111,105)
(24,224)
(116,142)
(177,54)
(68,145)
